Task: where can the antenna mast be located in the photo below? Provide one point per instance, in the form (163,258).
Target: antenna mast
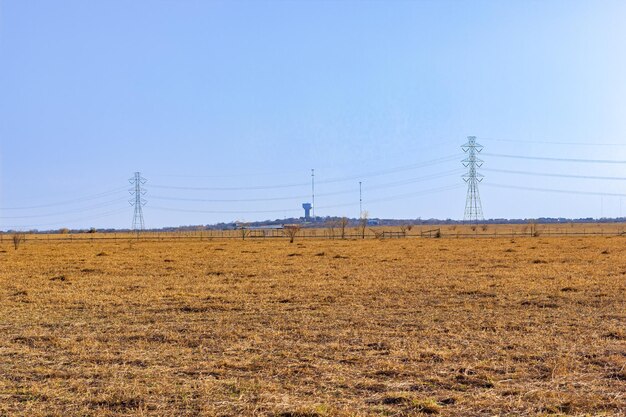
(360,201)
(313,192)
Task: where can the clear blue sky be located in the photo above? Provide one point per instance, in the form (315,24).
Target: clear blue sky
(240,94)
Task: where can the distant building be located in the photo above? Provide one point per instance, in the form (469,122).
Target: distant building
(307,211)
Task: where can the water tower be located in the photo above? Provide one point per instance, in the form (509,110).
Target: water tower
(307,211)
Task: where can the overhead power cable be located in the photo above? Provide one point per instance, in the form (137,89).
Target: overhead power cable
(389,198)
(306,184)
(391,170)
(399,183)
(398,196)
(80,210)
(234,200)
(223,211)
(553,190)
(248,188)
(350,191)
(439,143)
(66,202)
(547,142)
(547,158)
(546,174)
(65,223)
(255,174)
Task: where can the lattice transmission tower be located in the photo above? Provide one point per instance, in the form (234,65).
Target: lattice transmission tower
(473,207)
(138,201)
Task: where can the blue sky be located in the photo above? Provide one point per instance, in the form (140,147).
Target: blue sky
(201,95)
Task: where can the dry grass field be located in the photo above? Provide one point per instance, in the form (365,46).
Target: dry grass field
(397,327)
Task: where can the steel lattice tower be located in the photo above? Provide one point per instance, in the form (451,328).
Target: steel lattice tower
(138,202)
(473,207)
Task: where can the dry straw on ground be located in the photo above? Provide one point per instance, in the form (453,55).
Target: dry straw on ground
(533,326)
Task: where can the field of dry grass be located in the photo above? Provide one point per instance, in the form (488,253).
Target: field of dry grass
(398,327)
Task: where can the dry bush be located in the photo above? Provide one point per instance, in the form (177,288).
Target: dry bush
(291,231)
(363,224)
(243,230)
(406,227)
(534,230)
(330,228)
(18,238)
(343,223)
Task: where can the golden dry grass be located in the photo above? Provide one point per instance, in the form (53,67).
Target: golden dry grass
(531,326)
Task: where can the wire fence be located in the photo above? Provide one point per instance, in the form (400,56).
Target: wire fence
(449,232)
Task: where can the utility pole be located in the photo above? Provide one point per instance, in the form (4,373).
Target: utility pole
(473,207)
(313,192)
(138,201)
(360,201)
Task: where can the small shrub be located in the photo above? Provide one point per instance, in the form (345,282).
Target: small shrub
(534,230)
(343,223)
(330,228)
(291,230)
(18,238)
(362,224)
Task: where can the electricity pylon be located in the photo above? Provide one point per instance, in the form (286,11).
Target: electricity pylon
(473,207)
(138,202)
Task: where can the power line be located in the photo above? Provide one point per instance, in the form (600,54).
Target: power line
(98,216)
(546,158)
(275,173)
(546,142)
(545,174)
(388,198)
(392,170)
(248,188)
(400,183)
(222,211)
(142,192)
(417,179)
(327,181)
(553,190)
(66,202)
(80,210)
(416,194)
(231,200)
(403,196)
(251,174)
(298,197)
